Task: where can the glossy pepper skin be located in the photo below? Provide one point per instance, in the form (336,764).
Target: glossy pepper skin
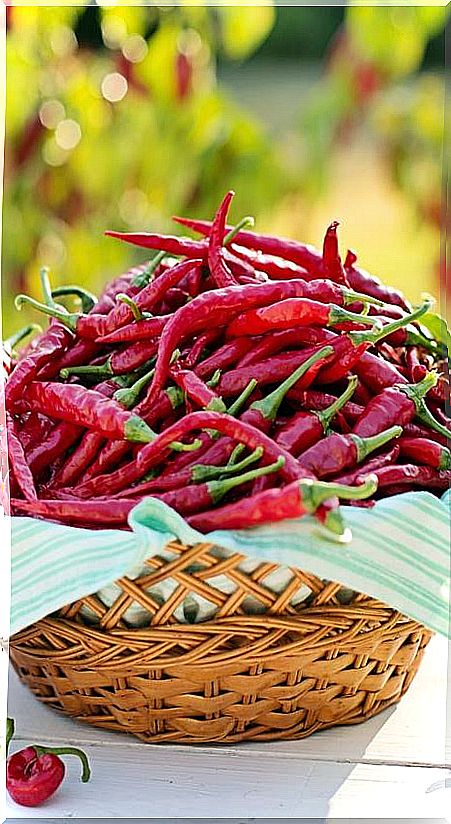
(31,778)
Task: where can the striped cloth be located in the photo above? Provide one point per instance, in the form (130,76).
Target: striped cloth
(399,554)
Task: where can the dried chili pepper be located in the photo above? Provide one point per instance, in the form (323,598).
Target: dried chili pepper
(331,257)
(335,453)
(401,475)
(271,370)
(297,499)
(195,389)
(52,343)
(306,428)
(219,270)
(139,331)
(368,467)
(18,462)
(225,356)
(119,363)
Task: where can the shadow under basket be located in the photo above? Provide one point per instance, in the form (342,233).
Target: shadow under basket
(272,661)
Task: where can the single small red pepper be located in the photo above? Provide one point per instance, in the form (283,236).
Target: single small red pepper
(72,510)
(18,461)
(336,453)
(196,390)
(411,475)
(368,467)
(119,363)
(297,499)
(305,429)
(425,451)
(34,774)
(140,330)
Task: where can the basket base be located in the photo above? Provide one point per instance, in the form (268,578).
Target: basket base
(294,686)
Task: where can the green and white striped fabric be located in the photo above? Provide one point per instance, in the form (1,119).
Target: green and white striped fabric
(399,554)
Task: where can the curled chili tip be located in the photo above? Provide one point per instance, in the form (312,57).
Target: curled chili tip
(376,334)
(334,523)
(315,493)
(247,222)
(136,311)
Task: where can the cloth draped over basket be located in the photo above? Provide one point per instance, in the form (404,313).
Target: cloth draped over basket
(399,554)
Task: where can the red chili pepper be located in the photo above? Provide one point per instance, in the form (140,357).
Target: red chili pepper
(44,454)
(138,331)
(270,370)
(35,773)
(275,342)
(194,387)
(398,404)
(33,429)
(225,356)
(306,428)
(297,499)
(54,341)
(368,467)
(412,475)
(275,268)
(331,257)
(335,453)
(203,342)
(172,244)
(309,258)
(19,464)
(101,512)
(317,401)
(287,313)
(219,270)
(416,430)
(87,408)
(416,370)
(119,363)
(425,451)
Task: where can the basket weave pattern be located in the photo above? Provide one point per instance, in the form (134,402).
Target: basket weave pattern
(285,671)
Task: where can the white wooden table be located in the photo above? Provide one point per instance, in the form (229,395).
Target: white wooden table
(397,765)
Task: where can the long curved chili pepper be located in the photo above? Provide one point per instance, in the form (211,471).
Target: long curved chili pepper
(401,475)
(8,353)
(331,256)
(52,343)
(425,451)
(275,342)
(416,430)
(61,438)
(202,343)
(316,401)
(227,355)
(75,511)
(275,268)
(138,331)
(119,363)
(309,258)
(335,453)
(18,462)
(399,404)
(297,499)
(287,313)
(87,408)
(219,270)
(271,370)
(306,428)
(33,428)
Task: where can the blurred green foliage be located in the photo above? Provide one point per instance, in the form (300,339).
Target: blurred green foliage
(122,133)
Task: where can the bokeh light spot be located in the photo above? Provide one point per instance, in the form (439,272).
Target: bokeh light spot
(51,250)
(114,87)
(68,134)
(53,154)
(51,113)
(63,41)
(135,48)
(114,31)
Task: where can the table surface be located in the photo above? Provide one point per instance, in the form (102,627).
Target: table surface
(396,765)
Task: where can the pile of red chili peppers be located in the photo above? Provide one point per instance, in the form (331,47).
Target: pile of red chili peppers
(240,378)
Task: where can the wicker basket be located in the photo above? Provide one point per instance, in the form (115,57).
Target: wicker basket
(294,666)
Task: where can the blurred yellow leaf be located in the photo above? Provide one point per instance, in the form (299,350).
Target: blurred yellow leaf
(243,28)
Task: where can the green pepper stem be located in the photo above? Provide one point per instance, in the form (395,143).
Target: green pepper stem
(426,416)
(365,446)
(138,431)
(18,337)
(218,489)
(88,299)
(375,335)
(145,277)
(203,472)
(417,391)
(10,729)
(67,319)
(269,406)
(334,522)
(326,415)
(314,493)
(238,404)
(247,222)
(101,371)
(86,770)
(214,380)
(44,276)
(356,297)
(136,311)
(128,397)
(175,396)
(338,315)
(236,453)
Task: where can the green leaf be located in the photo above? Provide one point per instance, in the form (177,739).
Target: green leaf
(438,328)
